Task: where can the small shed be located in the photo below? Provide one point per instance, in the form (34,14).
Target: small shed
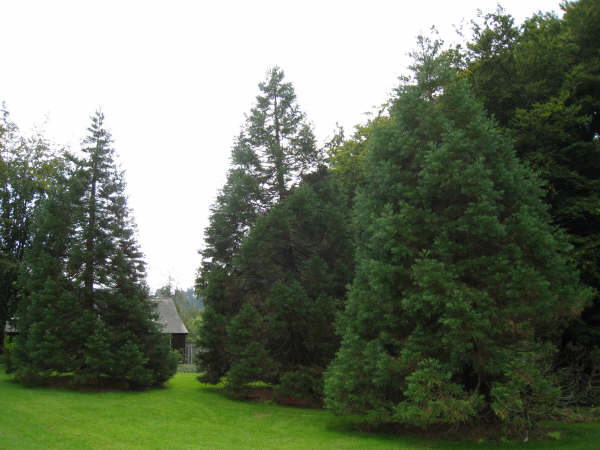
(10,331)
(172,324)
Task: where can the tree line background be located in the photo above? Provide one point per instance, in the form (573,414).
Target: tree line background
(438,266)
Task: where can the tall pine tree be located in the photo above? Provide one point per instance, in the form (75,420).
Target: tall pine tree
(293,269)
(273,150)
(542,82)
(462,285)
(86,308)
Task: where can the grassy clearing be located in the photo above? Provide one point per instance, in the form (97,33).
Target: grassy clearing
(187,414)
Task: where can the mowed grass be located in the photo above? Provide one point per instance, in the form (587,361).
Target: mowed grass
(188,414)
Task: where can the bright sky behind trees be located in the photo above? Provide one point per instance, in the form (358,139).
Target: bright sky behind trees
(175,78)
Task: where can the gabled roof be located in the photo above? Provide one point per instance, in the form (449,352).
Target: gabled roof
(168,316)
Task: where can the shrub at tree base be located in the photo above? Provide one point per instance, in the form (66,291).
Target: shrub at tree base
(432,397)
(524,395)
(250,360)
(305,383)
(7,356)
(462,285)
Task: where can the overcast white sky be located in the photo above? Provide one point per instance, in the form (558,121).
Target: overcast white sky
(175,78)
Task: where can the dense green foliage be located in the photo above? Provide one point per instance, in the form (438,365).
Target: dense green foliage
(292,271)
(462,285)
(84,307)
(27,168)
(348,158)
(440,267)
(258,174)
(542,83)
(277,254)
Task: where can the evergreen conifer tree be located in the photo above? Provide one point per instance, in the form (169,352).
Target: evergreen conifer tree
(27,168)
(462,285)
(275,147)
(542,81)
(86,308)
(292,270)
(278,134)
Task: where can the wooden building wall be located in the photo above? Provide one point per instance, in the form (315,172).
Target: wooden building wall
(178,342)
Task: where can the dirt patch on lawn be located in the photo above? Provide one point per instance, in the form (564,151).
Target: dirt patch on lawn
(258,394)
(299,402)
(266,394)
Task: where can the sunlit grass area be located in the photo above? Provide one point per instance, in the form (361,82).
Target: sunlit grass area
(188,414)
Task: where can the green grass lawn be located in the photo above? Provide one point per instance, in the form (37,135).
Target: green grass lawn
(187,414)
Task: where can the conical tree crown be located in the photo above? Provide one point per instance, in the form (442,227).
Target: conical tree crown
(106,243)
(458,267)
(278,133)
(86,309)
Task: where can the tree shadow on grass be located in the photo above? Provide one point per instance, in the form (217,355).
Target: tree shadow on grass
(71,383)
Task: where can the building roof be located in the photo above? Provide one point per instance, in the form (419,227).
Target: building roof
(168,316)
